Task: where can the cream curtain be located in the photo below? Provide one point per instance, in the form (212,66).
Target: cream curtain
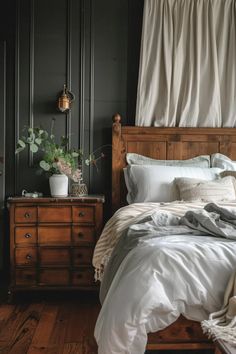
(187,74)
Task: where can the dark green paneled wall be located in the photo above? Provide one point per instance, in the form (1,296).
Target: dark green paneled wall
(93,47)
(7,62)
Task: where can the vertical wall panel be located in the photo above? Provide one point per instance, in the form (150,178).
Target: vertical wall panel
(2,137)
(110,41)
(83,43)
(22,88)
(7,44)
(50,56)
(3,119)
(75,27)
(42,65)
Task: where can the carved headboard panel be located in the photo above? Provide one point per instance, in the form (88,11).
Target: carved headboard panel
(163,144)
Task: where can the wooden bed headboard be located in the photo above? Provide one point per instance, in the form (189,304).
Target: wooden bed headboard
(163,144)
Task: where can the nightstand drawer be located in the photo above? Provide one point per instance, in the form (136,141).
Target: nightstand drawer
(53,277)
(25,235)
(25,214)
(82,255)
(54,256)
(54,234)
(25,277)
(54,214)
(26,256)
(83,276)
(83,234)
(83,214)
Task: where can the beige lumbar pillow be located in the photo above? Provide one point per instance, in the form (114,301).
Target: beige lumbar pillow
(217,190)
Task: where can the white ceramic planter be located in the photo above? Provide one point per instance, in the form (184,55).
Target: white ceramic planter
(58,185)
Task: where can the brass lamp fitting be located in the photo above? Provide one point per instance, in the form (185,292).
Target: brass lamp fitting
(65,99)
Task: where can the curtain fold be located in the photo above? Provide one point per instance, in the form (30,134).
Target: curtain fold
(187,74)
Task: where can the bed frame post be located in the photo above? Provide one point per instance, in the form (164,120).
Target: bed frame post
(117,161)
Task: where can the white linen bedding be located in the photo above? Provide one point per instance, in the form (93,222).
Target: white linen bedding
(159,279)
(122,219)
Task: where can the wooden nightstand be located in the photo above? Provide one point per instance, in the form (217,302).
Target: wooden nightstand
(52,242)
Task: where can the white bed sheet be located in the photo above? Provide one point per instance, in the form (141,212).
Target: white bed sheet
(159,280)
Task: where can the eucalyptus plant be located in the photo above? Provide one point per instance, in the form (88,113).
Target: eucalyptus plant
(54,154)
(57,158)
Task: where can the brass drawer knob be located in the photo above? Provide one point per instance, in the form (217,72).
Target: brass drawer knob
(28,256)
(81,213)
(27,215)
(80,235)
(28,235)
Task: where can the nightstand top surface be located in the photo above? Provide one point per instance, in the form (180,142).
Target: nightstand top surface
(91,198)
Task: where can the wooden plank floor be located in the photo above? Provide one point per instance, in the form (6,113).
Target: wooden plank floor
(51,323)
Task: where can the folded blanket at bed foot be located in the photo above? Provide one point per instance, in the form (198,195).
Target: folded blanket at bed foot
(222,324)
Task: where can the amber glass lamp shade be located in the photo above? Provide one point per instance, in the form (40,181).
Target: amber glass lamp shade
(65,99)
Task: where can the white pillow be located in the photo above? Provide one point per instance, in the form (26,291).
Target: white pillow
(221,161)
(199,161)
(153,183)
(191,189)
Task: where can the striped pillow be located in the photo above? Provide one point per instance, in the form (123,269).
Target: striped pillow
(191,189)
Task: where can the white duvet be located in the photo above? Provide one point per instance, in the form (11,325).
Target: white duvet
(159,280)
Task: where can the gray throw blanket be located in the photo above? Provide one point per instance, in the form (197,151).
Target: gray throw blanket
(212,220)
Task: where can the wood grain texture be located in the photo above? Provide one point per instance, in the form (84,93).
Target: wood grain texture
(19,329)
(42,335)
(5,313)
(49,324)
(163,144)
(182,334)
(217,351)
(52,242)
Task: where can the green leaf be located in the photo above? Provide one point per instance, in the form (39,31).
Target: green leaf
(34,148)
(74,154)
(54,164)
(44,165)
(64,142)
(32,136)
(38,141)
(45,134)
(21,143)
(19,149)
